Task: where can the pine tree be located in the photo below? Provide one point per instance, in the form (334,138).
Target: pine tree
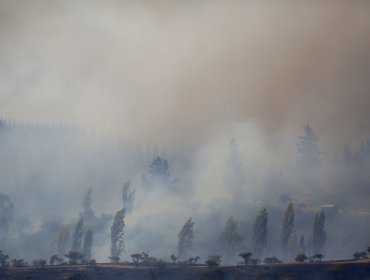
(158,172)
(287,228)
(185,240)
(117,247)
(259,238)
(307,148)
(230,239)
(88,241)
(77,236)
(319,234)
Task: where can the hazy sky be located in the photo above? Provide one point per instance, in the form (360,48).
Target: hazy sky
(177,71)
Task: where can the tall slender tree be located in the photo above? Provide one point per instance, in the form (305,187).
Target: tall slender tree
(117,247)
(88,242)
(230,239)
(259,238)
(287,228)
(78,236)
(319,234)
(185,242)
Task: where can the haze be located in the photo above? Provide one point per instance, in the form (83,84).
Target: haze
(179,79)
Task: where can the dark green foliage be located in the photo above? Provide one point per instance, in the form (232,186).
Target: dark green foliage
(136,258)
(192,260)
(117,242)
(158,172)
(246,257)
(319,234)
(185,242)
(74,257)
(230,239)
(360,255)
(301,257)
(39,263)
(259,238)
(4,260)
(54,259)
(272,260)
(18,263)
(318,256)
(159,166)
(213,261)
(287,228)
(173,258)
(77,236)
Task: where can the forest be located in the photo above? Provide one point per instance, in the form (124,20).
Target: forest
(241,227)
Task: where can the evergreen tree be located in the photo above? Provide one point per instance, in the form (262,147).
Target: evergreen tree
(117,247)
(230,239)
(319,234)
(185,240)
(307,148)
(88,241)
(287,228)
(158,172)
(259,238)
(77,236)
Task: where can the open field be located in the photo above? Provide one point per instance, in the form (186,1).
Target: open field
(356,270)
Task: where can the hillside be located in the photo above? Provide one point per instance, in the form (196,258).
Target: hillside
(340,270)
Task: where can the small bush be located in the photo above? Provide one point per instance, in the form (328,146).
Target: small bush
(213,261)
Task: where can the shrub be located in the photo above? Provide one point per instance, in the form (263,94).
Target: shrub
(213,261)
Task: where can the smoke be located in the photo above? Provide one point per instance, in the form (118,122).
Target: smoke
(182,78)
(173,72)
